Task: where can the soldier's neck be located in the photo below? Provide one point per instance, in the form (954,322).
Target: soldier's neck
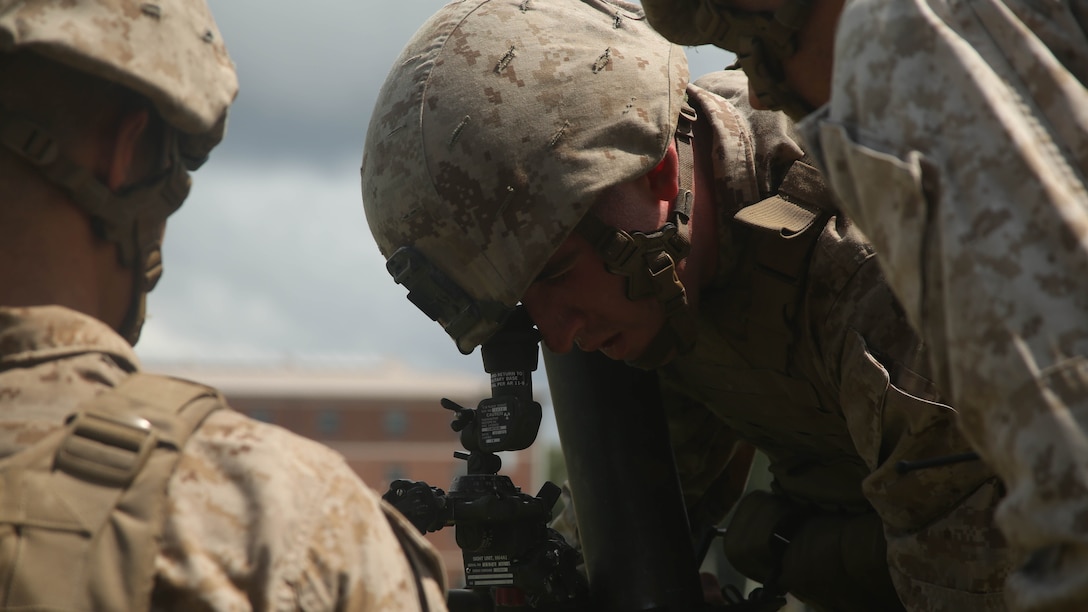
(50,255)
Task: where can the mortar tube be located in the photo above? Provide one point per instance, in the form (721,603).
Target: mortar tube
(631,518)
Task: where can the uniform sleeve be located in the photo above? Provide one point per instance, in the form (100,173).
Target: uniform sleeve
(944,551)
(259,518)
(974,192)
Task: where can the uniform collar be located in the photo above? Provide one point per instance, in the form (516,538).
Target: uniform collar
(33,334)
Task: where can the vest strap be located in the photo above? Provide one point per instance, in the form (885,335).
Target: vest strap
(649,260)
(87,502)
(772,276)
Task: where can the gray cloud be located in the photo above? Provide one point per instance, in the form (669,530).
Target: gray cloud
(309,73)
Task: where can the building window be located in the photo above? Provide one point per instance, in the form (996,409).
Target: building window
(396,423)
(261,414)
(394,471)
(328,422)
(460,468)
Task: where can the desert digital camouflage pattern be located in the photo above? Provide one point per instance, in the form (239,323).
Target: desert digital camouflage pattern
(257,518)
(169,51)
(849,398)
(534,118)
(957,138)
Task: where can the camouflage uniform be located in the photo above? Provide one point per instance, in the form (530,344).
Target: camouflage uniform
(254,517)
(849,397)
(957,138)
(257,518)
(497,129)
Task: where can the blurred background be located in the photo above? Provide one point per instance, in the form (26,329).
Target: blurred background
(274,290)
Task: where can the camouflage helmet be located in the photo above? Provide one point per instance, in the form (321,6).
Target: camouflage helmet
(496,130)
(171,53)
(168,51)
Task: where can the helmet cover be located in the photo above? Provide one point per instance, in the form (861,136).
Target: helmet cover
(169,51)
(498,126)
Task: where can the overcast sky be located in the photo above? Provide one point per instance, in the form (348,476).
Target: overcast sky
(270,259)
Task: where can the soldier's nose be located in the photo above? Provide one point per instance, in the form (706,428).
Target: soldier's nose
(558,329)
(559,336)
(559,324)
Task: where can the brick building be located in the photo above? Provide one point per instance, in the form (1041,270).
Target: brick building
(386,421)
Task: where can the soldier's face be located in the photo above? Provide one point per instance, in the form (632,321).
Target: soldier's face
(808,71)
(576,301)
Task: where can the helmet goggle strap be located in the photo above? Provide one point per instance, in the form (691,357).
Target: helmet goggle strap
(648,260)
(133,219)
(443,300)
(762,42)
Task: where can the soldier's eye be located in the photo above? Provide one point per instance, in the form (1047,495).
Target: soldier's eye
(556,269)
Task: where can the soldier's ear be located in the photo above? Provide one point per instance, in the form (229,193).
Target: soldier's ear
(121,155)
(665,176)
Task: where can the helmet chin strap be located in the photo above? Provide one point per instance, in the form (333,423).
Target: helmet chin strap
(133,219)
(648,260)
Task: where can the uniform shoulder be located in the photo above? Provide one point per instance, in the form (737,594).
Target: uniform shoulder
(842,269)
(258,513)
(227,428)
(230,436)
(731,85)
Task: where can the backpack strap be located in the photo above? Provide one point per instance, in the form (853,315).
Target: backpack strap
(772,275)
(81,511)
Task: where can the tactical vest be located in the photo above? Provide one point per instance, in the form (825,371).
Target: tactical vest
(81,510)
(745,366)
(748,366)
(787,226)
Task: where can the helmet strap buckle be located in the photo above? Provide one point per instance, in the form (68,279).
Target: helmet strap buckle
(649,260)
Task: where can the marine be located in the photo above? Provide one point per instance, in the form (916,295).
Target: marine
(121,489)
(955,134)
(555,155)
